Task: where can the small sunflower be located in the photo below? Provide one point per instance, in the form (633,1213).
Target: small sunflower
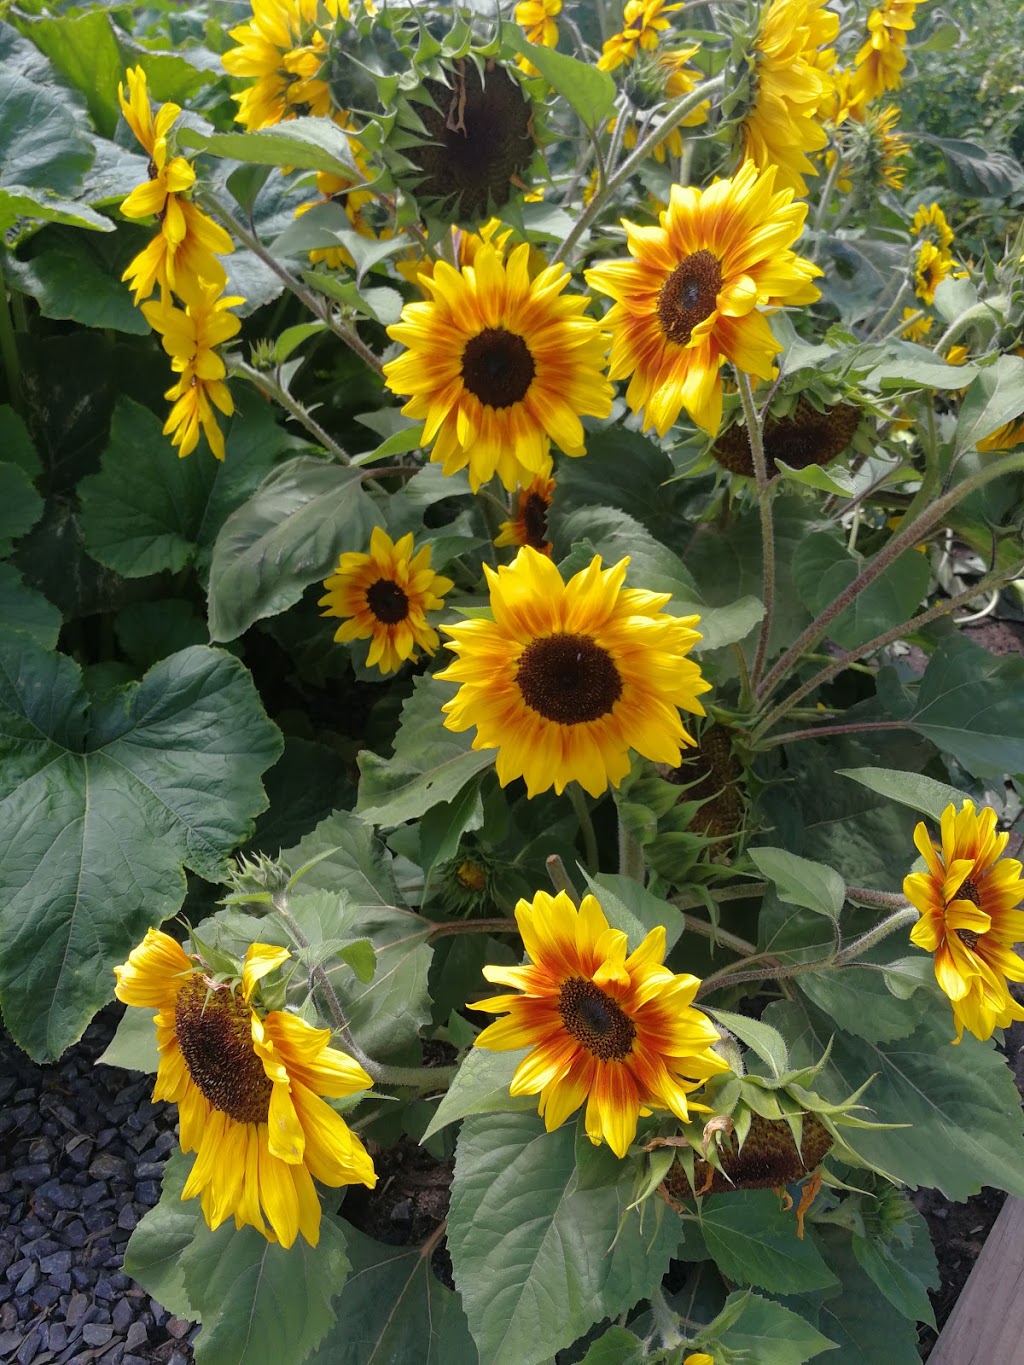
(929,222)
(530,524)
(643,21)
(967,901)
(881,60)
(931,266)
(691,297)
(190,337)
(283,49)
(916,325)
(500,365)
(663,76)
(537,20)
(792,85)
(615,1030)
(568,677)
(247,1086)
(386,594)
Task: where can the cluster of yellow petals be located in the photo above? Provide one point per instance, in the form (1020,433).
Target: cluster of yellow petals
(283,50)
(881,60)
(537,18)
(933,259)
(643,21)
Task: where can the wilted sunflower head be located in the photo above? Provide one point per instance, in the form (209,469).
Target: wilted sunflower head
(711,773)
(806,436)
(476,141)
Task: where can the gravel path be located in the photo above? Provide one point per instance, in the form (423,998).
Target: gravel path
(82,1150)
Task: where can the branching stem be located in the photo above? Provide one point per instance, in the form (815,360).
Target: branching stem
(755,437)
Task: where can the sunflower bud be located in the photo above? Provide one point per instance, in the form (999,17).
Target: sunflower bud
(767,1159)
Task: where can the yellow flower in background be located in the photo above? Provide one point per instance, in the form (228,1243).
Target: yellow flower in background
(537,19)
(690,298)
(566,678)
(917,327)
(190,336)
(614,1029)
(881,60)
(666,75)
(357,202)
(931,267)
(967,901)
(283,49)
(792,86)
(386,595)
(529,526)
(642,23)
(957,355)
(499,365)
(166,177)
(248,1088)
(930,223)
(699,1358)
(465,246)
(1007,437)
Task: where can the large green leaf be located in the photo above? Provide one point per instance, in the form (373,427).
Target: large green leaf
(42,146)
(20,505)
(902,1265)
(101,805)
(286,536)
(394,1309)
(765,1333)
(976,171)
(153,1255)
(16,443)
(430,764)
(309,144)
(24,609)
(915,790)
(350,860)
(78,277)
(753,1241)
(589,91)
(798,881)
(994,398)
(261,1304)
(82,47)
(20,206)
(960,1103)
(861,1320)
(481,1087)
(147,510)
(537,1260)
(823,567)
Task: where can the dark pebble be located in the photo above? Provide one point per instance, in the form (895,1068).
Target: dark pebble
(63,1283)
(127,1218)
(46,1296)
(178,1358)
(39,1248)
(8,1317)
(7,1255)
(40,1149)
(123,1316)
(6,1181)
(109,1167)
(177,1328)
(30,1346)
(28,1281)
(149,1170)
(14,1272)
(57,1338)
(77,1309)
(74,1234)
(61,1196)
(134,1360)
(81,1278)
(57,1264)
(7,1084)
(79,1153)
(93,1194)
(147,1192)
(160,1314)
(137,1336)
(34,1174)
(97,1333)
(165,1144)
(9,1341)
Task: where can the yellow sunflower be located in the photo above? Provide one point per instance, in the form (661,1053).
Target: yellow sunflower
(881,60)
(284,48)
(930,222)
(386,595)
(691,297)
(568,677)
(665,76)
(500,365)
(931,266)
(537,19)
(612,1028)
(967,901)
(642,23)
(792,84)
(916,327)
(529,526)
(247,1086)
(190,336)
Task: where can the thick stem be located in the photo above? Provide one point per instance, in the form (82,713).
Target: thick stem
(644,147)
(902,919)
(579,805)
(836,666)
(473,926)
(904,539)
(818,731)
(755,438)
(267,384)
(560,879)
(631,855)
(887,899)
(9,350)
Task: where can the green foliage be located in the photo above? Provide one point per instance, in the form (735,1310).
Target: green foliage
(753,1241)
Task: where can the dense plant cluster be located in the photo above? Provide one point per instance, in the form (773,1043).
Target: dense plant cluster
(490,503)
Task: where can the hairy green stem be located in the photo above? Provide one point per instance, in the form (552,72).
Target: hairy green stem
(560,878)
(9,350)
(755,438)
(904,539)
(267,384)
(579,805)
(631,855)
(818,731)
(473,926)
(901,919)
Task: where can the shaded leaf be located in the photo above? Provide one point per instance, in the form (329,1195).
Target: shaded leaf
(798,881)
(915,790)
(481,1086)
(154,1251)
(133,1045)
(591,93)
(308,144)
(823,567)
(753,1241)
(766,1333)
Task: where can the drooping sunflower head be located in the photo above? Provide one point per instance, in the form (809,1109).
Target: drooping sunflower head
(881,59)
(384,597)
(529,526)
(283,50)
(803,436)
(474,141)
(247,1082)
(606,1026)
(566,678)
(692,295)
(499,365)
(712,774)
(967,899)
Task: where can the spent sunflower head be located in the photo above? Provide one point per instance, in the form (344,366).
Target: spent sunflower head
(248,1087)
(529,526)
(283,50)
(385,596)
(566,678)
(691,297)
(643,22)
(805,436)
(606,1026)
(499,365)
(792,85)
(967,899)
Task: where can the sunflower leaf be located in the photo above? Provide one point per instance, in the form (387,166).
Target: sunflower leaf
(589,91)
(993,399)
(753,1241)
(153,1255)
(766,1333)
(799,881)
(915,790)
(102,804)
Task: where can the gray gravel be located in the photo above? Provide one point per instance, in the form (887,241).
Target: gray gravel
(82,1150)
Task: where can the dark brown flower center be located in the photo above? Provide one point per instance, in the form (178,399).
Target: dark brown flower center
(387,601)
(804,438)
(568,678)
(497,367)
(968,891)
(595,1020)
(768,1158)
(688,295)
(215,1036)
(534,516)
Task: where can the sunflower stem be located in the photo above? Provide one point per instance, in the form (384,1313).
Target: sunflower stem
(818,731)
(631,855)
(902,919)
(909,535)
(473,926)
(679,110)
(689,901)
(560,879)
(755,437)
(9,350)
(827,191)
(666,1322)
(319,307)
(579,805)
(902,293)
(269,386)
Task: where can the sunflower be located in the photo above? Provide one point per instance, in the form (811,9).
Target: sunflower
(966,900)
(663,76)
(792,83)
(617,1031)
(247,1086)
(529,526)
(386,594)
(499,366)
(537,19)
(643,21)
(931,266)
(930,222)
(801,438)
(690,298)
(358,203)
(190,336)
(567,677)
(916,325)
(881,60)
(284,47)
